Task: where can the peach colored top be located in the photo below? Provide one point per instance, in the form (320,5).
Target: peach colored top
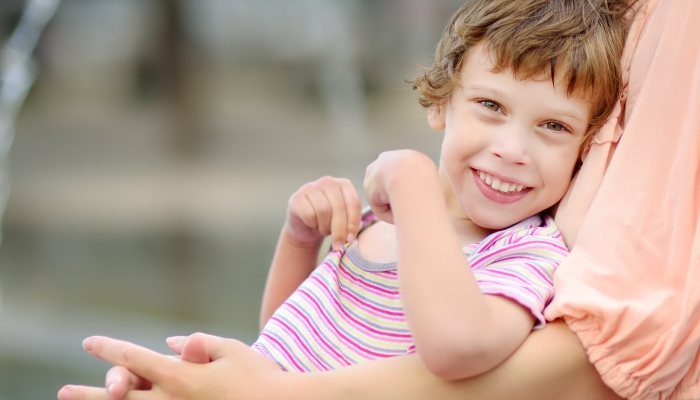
(630,287)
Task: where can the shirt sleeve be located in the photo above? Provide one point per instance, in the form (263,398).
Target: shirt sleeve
(520,267)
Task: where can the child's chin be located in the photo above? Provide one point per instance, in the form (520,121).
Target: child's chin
(496,222)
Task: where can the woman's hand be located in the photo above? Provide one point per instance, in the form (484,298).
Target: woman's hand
(389,172)
(194,348)
(327,206)
(159,377)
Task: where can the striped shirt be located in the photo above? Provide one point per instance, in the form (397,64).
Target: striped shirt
(348,310)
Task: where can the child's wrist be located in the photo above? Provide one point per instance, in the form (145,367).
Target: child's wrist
(288,239)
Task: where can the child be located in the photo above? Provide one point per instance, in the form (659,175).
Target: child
(456,261)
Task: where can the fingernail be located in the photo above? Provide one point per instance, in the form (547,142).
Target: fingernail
(350,237)
(174,339)
(65,393)
(87,343)
(337,245)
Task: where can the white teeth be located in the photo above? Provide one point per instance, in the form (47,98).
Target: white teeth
(497,184)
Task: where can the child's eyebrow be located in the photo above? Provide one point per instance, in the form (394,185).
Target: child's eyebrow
(481,87)
(573,117)
(569,114)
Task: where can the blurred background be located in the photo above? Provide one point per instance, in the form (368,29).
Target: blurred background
(155,149)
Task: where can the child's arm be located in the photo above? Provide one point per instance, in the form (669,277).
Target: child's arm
(292,263)
(458,331)
(328,206)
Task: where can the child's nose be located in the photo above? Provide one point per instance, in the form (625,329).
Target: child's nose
(512,149)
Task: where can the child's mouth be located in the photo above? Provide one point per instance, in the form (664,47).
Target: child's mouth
(497,190)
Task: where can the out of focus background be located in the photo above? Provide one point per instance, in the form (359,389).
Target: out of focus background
(156,143)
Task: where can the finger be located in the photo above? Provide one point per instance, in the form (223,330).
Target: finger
(322,211)
(353,206)
(75,392)
(195,350)
(214,346)
(387,215)
(368,183)
(339,215)
(71,392)
(120,380)
(305,211)
(139,360)
(382,210)
(176,343)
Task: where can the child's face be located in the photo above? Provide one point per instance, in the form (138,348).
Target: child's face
(510,145)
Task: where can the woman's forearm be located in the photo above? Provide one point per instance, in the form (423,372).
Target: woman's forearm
(550,365)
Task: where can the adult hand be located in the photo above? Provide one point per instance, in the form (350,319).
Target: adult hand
(120,380)
(327,206)
(159,377)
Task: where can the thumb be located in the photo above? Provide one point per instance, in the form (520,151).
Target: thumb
(190,348)
(195,350)
(202,348)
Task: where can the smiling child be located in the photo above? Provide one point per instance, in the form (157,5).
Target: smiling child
(454,262)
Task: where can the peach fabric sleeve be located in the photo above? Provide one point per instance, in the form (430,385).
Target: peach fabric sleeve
(629,287)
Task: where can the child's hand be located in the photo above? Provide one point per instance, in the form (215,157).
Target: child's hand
(389,173)
(328,206)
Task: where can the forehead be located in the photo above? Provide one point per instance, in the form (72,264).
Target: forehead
(479,76)
(482,58)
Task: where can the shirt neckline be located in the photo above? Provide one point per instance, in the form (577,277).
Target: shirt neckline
(353,254)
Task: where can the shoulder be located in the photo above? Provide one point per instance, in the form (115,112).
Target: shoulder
(377,239)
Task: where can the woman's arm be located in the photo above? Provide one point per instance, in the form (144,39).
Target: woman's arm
(550,365)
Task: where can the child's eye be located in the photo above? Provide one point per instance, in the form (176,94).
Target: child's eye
(555,126)
(490,105)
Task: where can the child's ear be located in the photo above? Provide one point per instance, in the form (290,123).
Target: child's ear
(436,116)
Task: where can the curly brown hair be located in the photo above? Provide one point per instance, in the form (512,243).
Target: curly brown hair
(581,40)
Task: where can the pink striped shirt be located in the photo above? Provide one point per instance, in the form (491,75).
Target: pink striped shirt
(348,310)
